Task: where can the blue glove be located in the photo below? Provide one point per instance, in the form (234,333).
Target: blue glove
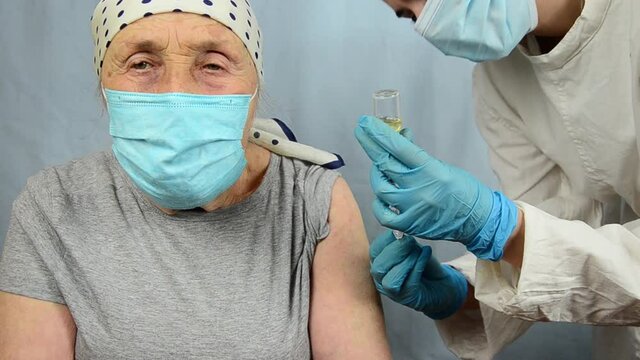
(408,274)
(435,200)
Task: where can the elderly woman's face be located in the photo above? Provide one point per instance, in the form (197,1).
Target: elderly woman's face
(178,52)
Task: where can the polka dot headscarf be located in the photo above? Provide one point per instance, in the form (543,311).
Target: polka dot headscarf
(111,16)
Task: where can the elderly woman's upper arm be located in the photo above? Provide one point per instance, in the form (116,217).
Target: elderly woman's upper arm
(34,329)
(346,320)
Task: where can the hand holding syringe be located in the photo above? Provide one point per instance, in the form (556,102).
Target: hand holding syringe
(386,107)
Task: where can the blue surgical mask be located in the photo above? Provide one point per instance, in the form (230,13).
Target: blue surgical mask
(478,30)
(181,150)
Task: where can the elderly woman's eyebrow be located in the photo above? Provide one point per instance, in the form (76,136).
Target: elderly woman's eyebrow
(144,46)
(210,45)
(153,46)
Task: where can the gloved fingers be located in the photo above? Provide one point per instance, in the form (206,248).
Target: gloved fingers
(427,221)
(380,156)
(400,219)
(397,171)
(408,134)
(375,152)
(393,282)
(385,216)
(382,241)
(391,164)
(401,195)
(402,176)
(415,277)
(434,270)
(384,189)
(457,278)
(405,178)
(395,144)
(392,255)
(380,182)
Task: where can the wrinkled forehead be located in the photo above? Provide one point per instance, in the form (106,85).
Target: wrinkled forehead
(110,17)
(186,31)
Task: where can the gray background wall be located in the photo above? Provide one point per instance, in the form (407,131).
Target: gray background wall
(324,58)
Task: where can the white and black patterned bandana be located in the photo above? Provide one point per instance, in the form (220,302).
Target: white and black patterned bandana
(111,16)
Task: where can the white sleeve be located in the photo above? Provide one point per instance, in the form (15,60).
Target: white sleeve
(478,334)
(526,174)
(571,272)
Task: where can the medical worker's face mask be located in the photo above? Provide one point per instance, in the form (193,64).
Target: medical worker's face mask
(182,150)
(478,30)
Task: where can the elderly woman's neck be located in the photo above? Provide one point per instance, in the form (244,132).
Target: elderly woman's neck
(250,180)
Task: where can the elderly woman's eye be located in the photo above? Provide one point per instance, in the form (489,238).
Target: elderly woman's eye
(213,67)
(141,65)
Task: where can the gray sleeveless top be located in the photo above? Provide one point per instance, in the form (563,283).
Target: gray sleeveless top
(231,284)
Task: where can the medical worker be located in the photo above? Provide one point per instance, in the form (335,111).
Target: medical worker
(557,95)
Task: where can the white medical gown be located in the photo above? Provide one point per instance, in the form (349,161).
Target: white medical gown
(563,135)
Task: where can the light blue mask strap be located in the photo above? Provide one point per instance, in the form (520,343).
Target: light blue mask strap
(429,12)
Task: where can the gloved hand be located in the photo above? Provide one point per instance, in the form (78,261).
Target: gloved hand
(408,274)
(435,200)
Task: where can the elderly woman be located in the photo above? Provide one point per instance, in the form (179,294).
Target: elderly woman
(186,240)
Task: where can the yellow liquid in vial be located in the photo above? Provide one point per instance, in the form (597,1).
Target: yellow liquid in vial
(394,123)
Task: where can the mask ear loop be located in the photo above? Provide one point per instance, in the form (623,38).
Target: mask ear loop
(104,95)
(255,93)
